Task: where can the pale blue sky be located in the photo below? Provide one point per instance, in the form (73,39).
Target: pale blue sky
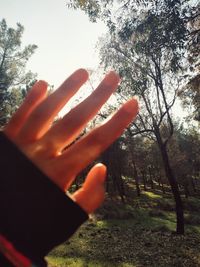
(65,38)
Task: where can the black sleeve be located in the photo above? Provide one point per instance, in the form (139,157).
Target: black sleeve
(36,215)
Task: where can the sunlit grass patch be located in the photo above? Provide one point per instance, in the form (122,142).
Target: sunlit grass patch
(152,195)
(161,224)
(64,262)
(77,262)
(127,265)
(193,229)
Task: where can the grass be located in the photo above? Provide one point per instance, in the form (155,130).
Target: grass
(143,236)
(80,262)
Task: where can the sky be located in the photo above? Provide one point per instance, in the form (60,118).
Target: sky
(65,38)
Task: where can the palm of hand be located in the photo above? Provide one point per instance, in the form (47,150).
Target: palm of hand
(32,131)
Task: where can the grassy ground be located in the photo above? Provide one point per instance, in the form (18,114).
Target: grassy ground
(139,233)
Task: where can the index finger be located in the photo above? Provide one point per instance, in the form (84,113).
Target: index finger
(43,116)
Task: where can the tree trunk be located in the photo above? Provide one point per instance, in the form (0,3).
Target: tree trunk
(173,184)
(144,180)
(134,167)
(163,188)
(111,158)
(151,179)
(193,185)
(175,191)
(159,180)
(120,187)
(161,184)
(186,190)
(136,179)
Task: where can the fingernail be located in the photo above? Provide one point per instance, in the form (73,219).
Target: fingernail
(131,105)
(41,83)
(112,77)
(101,168)
(82,73)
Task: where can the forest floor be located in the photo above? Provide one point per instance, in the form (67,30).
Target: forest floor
(138,233)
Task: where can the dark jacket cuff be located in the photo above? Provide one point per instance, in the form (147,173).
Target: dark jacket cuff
(36,215)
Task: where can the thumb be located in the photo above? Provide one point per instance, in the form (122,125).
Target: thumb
(92,193)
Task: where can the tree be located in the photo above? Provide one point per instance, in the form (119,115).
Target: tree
(147,44)
(13,76)
(188,142)
(190,93)
(113,159)
(149,67)
(184,14)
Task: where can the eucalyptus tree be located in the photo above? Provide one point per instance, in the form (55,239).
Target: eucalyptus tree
(190,93)
(183,14)
(188,162)
(13,75)
(147,44)
(141,52)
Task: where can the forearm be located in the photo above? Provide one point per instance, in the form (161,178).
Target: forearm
(35,214)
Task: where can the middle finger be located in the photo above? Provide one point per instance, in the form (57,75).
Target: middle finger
(67,129)
(87,149)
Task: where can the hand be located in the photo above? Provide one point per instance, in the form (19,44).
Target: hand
(32,130)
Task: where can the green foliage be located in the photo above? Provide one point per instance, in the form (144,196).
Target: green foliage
(154,27)
(13,76)
(95,9)
(185,156)
(190,93)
